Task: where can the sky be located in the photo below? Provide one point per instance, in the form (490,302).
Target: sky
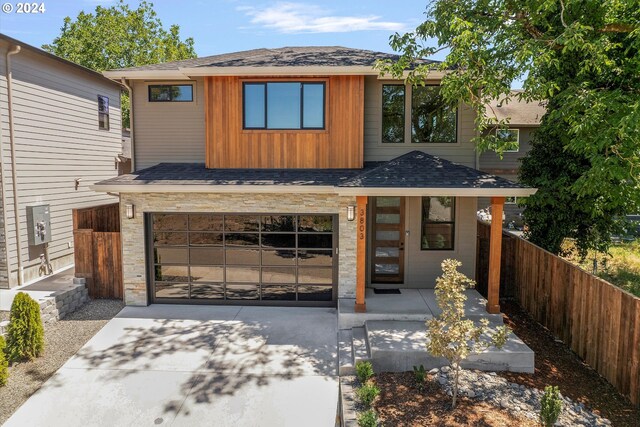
(233,25)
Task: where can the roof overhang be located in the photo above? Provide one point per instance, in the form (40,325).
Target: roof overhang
(313,189)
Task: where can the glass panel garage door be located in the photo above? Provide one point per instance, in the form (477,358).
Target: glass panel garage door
(243,258)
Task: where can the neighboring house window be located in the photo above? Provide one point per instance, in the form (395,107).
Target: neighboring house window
(511,200)
(284,105)
(103,112)
(170,93)
(438,223)
(432,119)
(393,114)
(512,136)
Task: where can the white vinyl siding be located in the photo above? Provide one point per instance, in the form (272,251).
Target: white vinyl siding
(168,132)
(57,137)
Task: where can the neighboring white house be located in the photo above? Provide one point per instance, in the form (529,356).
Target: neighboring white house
(60,132)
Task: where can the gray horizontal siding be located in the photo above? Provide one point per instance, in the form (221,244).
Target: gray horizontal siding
(168,131)
(509,161)
(57,139)
(462,152)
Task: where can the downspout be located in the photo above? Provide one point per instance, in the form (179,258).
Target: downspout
(14,182)
(3,182)
(131,131)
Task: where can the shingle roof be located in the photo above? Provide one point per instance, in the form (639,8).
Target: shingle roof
(412,170)
(519,112)
(330,56)
(421,170)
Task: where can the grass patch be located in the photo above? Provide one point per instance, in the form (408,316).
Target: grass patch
(621,266)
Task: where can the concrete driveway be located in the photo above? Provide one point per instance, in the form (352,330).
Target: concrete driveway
(197,365)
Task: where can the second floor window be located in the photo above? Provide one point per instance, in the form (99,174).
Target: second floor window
(103,112)
(284,105)
(393,114)
(510,136)
(170,93)
(432,120)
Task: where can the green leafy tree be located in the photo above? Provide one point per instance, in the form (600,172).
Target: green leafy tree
(582,56)
(451,335)
(25,333)
(120,36)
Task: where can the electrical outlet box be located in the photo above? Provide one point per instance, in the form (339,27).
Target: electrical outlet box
(39,224)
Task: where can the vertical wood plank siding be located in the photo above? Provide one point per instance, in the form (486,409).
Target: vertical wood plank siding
(340,145)
(597,320)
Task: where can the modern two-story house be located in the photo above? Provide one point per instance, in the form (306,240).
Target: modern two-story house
(295,176)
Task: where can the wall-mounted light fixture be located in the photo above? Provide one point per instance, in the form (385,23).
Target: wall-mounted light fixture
(351,213)
(129,210)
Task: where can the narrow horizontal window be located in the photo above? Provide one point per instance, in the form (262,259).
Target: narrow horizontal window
(438,223)
(283,105)
(432,119)
(170,93)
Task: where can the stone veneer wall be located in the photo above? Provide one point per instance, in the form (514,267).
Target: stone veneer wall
(133,239)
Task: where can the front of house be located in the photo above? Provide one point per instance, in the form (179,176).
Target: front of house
(295,176)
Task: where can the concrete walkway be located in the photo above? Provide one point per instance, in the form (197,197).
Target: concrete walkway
(42,288)
(197,365)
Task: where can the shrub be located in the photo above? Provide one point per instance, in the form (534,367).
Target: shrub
(25,334)
(451,335)
(550,406)
(4,369)
(367,394)
(368,419)
(420,375)
(364,371)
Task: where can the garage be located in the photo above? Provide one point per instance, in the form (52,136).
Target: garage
(260,259)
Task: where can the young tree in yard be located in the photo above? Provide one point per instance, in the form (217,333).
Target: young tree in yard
(452,336)
(582,57)
(117,37)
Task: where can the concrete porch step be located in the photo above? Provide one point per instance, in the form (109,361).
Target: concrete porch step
(345,352)
(398,346)
(360,345)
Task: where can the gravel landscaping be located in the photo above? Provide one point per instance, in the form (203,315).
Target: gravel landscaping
(63,339)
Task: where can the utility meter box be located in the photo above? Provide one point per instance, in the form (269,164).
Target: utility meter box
(39,224)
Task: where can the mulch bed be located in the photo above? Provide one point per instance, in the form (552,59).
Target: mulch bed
(62,340)
(401,404)
(555,364)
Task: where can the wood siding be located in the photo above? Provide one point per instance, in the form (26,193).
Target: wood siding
(463,151)
(597,320)
(340,145)
(168,131)
(57,138)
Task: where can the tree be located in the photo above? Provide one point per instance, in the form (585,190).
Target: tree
(25,333)
(118,37)
(452,336)
(582,56)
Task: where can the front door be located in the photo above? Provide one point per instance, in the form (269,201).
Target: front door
(387,249)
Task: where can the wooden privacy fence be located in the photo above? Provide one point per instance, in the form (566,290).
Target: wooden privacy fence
(599,321)
(98,254)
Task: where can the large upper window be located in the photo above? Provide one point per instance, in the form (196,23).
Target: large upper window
(432,119)
(283,105)
(170,93)
(438,223)
(393,114)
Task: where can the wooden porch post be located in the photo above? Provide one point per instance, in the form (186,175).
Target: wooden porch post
(361,251)
(495,252)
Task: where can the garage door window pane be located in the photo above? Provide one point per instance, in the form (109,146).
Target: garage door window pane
(207,291)
(315,293)
(315,275)
(243,256)
(243,274)
(278,275)
(242,292)
(169,239)
(205,222)
(171,273)
(315,223)
(170,222)
(278,257)
(169,255)
(278,293)
(313,241)
(278,240)
(278,223)
(207,274)
(238,239)
(241,223)
(172,290)
(206,256)
(315,258)
(205,239)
